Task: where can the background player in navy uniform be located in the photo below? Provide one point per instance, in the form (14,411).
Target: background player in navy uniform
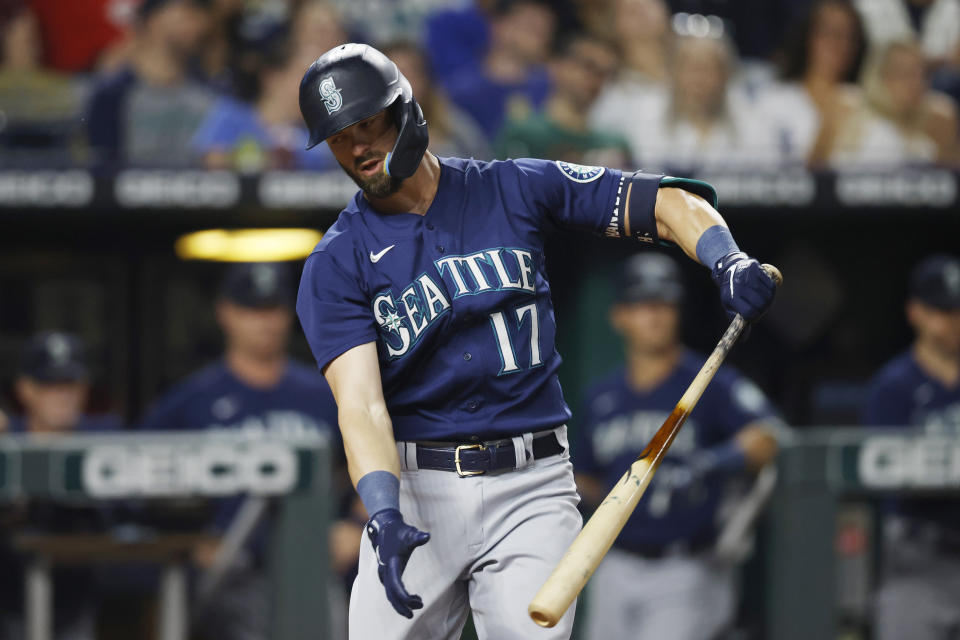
(53,386)
(920,388)
(257,389)
(662,579)
(428,308)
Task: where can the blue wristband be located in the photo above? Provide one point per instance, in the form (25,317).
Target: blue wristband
(715,243)
(379,490)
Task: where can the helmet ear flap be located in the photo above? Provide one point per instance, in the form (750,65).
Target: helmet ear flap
(412,139)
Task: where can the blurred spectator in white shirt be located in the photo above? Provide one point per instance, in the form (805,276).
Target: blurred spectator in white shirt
(935,24)
(814,112)
(700,123)
(642,36)
(642,31)
(904,123)
(452,131)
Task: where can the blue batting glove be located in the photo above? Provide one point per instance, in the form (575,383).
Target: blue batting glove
(393,542)
(745,288)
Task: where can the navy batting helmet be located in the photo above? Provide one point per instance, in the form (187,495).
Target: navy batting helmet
(352,82)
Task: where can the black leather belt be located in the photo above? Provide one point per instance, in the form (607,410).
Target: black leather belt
(479,458)
(655,552)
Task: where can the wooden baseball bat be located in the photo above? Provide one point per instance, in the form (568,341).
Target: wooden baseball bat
(591,545)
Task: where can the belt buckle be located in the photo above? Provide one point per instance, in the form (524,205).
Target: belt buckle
(456,460)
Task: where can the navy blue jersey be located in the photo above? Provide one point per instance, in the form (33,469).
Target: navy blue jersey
(215,399)
(618,422)
(457,299)
(903,395)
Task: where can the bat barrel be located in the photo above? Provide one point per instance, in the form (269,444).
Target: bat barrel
(590,546)
(570,576)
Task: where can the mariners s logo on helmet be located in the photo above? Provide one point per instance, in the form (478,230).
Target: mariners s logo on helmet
(332,99)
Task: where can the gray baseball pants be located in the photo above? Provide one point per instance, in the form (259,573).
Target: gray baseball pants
(920,595)
(680,597)
(494,539)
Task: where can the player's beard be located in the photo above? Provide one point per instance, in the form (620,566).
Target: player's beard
(379,185)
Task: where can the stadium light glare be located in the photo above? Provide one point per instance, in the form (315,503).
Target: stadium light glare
(247,245)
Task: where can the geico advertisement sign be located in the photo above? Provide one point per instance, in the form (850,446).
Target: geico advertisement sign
(211,469)
(888,462)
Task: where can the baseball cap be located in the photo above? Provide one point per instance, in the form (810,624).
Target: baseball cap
(258,284)
(936,282)
(54,356)
(650,277)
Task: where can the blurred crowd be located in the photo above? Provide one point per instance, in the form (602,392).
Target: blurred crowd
(666,85)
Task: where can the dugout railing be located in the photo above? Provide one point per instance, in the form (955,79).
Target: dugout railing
(808,542)
(153,468)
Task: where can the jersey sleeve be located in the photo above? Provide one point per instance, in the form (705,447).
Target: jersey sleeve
(607,202)
(332,308)
(741,402)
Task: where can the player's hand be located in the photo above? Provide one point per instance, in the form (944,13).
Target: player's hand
(393,542)
(745,288)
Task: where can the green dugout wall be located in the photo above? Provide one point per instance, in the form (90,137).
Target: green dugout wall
(818,471)
(144,466)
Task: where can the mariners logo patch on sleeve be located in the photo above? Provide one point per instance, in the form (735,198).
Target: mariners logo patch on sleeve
(580,172)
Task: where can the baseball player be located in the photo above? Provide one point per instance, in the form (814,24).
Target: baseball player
(53,386)
(427,307)
(921,389)
(255,389)
(662,579)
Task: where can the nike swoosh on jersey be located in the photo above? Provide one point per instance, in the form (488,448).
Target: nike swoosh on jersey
(375,257)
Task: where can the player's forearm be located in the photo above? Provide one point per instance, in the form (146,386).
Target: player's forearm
(682,217)
(365,423)
(368,441)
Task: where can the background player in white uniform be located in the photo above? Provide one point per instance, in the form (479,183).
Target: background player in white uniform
(428,308)
(920,388)
(662,579)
